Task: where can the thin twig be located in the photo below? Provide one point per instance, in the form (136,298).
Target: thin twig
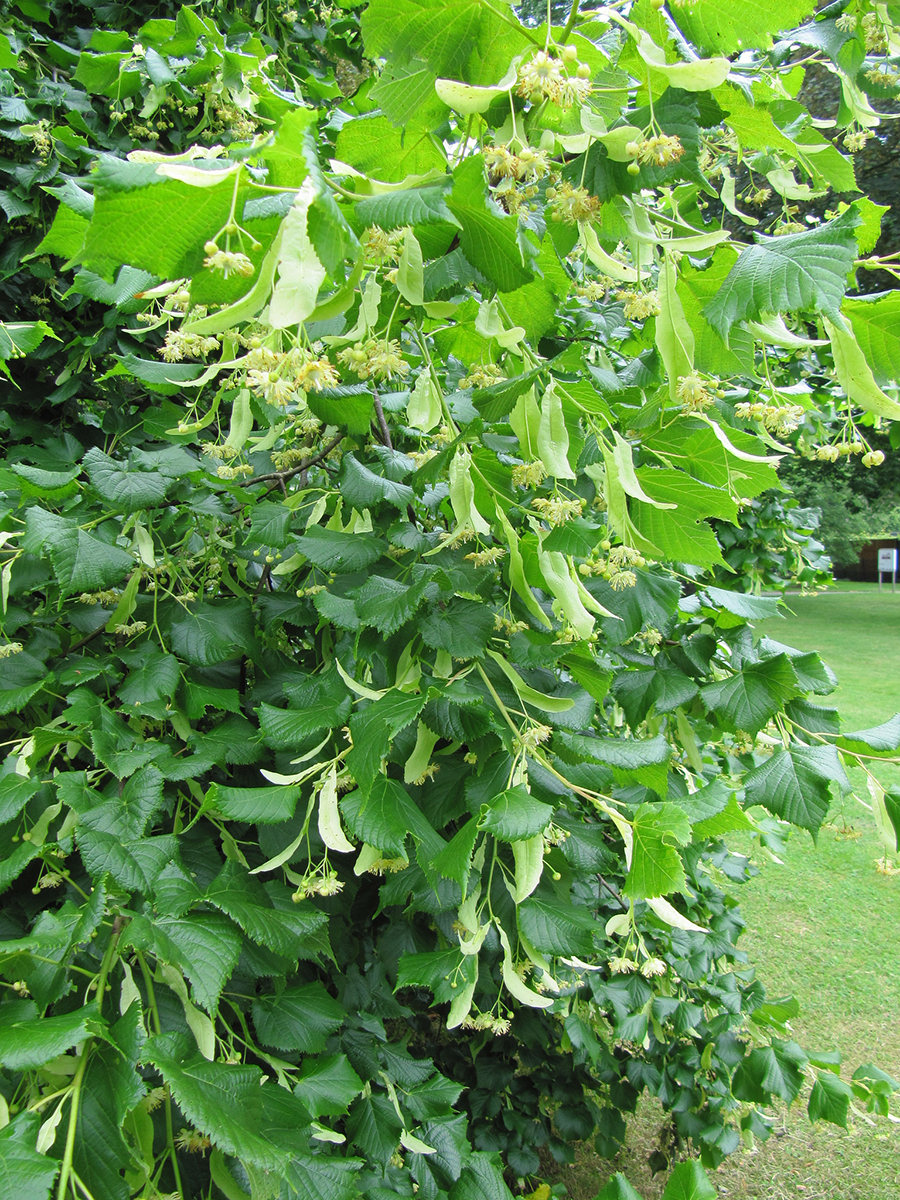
(382,423)
(281,477)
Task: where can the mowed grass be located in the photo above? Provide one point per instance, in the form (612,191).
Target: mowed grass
(825,927)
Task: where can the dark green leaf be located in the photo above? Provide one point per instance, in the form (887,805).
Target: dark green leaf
(299,1018)
(342,553)
(515,815)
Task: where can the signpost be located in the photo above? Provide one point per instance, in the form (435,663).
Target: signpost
(887,562)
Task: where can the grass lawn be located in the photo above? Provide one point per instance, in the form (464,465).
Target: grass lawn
(825,926)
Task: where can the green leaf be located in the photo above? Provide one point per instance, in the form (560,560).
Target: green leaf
(350,406)
(213,631)
(724,30)
(243,898)
(463,628)
(28,1041)
(203,946)
(386,604)
(414,206)
(375,727)
(455,862)
(665,690)
(577,537)
(481,1179)
(374,1127)
(689,1181)
(81,562)
(15,792)
(555,927)
(876,323)
(153,675)
(515,815)
(377,148)
(287,729)
(456,38)
(159,223)
(795,784)
(299,1018)
(327,1085)
(830,1099)
(363,488)
(264,1126)
(111,1087)
(656,867)
(740,604)
(379,816)
(66,235)
(18,338)
(751,697)
(122,485)
(771,1070)
(490,240)
(618,1188)
(257,805)
(882,739)
(798,272)
(24,1173)
(640,760)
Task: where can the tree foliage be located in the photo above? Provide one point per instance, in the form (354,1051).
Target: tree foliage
(385,388)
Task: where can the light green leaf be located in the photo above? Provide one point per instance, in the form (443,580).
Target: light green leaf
(689,1181)
(489,239)
(28,1040)
(795,784)
(854,373)
(656,867)
(300,274)
(410,271)
(674,337)
(800,272)
(876,323)
(514,815)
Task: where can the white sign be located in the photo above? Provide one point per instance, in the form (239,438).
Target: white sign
(887,560)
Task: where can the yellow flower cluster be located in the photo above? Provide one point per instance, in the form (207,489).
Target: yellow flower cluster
(544,77)
(227,261)
(480,376)
(694,393)
(376,358)
(178,346)
(656,151)
(639,305)
(555,510)
(572,205)
(525,166)
(778,418)
(380,246)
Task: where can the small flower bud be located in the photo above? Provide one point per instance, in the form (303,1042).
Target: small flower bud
(583,71)
(209,247)
(633,168)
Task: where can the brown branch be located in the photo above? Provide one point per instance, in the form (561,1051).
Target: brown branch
(382,423)
(281,477)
